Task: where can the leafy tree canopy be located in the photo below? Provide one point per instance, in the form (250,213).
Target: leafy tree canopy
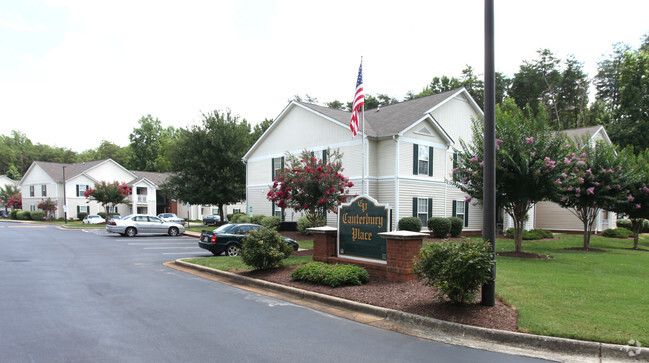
(109,194)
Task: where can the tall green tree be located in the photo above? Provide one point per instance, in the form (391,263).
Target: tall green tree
(149,142)
(635,185)
(528,162)
(259,129)
(572,97)
(109,194)
(206,162)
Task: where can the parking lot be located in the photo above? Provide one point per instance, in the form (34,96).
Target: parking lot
(172,247)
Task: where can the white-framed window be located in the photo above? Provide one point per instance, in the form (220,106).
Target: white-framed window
(32,208)
(83,209)
(277,166)
(81,190)
(422,210)
(113,209)
(461,210)
(43,190)
(215,211)
(31,190)
(422,160)
(236,210)
(277,212)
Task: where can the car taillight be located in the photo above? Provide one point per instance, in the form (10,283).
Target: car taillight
(213,239)
(112,223)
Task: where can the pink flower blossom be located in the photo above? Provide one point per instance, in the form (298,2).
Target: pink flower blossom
(558,181)
(569,189)
(581,162)
(581,180)
(577,195)
(597,183)
(529,140)
(473,159)
(533,153)
(589,171)
(563,199)
(638,206)
(583,155)
(482,164)
(566,161)
(630,198)
(590,190)
(564,175)
(467,198)
(464,180)
(577,189)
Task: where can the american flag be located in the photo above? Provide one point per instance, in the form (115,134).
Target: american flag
(359,102)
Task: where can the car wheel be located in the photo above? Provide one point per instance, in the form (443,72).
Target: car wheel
(232,250)
(173,231)
(130,231)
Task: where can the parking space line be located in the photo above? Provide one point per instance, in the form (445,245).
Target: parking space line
(162,248)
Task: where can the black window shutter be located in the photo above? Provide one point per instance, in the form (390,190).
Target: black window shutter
(272,206)
(430,161)
(77,190)
(430,207)
(282,164)
(78,209)
(283,215)
(324,156)
(466,214)
(454,160)
(415,159)
(454,208)
(414,207)
(272,168)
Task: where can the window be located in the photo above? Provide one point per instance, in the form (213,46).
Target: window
(32,208)
(235,211)
(422,160)
(81,190)
(31,190)
(461,210)
(277,166)
(83,209)
(422,208)
(277,211)
(112,209)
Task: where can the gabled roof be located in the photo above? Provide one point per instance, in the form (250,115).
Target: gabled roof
(590,132)
(55,170)
(389,120)
(152,177)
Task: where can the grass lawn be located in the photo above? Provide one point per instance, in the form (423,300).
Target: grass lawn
(225,263)
(583,295)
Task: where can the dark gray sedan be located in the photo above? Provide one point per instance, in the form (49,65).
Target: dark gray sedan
(143,224)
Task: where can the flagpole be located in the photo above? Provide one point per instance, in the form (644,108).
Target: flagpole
(364,191)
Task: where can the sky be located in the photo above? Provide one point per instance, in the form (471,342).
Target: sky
(74,73)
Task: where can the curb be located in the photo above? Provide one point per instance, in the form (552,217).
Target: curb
(546,347)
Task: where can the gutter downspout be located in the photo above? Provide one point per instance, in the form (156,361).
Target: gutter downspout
(446,184)
(396,180)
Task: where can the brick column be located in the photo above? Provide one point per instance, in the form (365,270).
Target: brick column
(401,248)
(325,242)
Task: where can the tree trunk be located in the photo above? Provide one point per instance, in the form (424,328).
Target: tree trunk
(636,226)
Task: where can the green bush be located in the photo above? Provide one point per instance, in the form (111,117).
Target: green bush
(439,226)
(264,249)
(235,217)
(102,214)
(531,234)
(23,215)
(303,224)
(37,215)
(331,275)
(229,216)
(82,215)
(457,224)
(456,269)
(645,226)
(14,213)
(624,223)
(617,233)
(256,218)
(410,224)
(271,222)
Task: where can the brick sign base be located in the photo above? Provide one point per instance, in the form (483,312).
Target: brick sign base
(401,247)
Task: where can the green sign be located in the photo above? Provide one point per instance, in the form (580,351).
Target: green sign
(359,224)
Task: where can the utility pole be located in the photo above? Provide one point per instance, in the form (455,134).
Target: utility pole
(65,204)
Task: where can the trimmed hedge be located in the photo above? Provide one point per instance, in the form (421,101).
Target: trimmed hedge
(14,213)
(410,224)
(264,249)
(82,215)
(456,269)
(457,224)
(23,215)
(532,234)
(256,218)
(439,226)
(624,223)
(271,222)
(102,214)
(617,233)
(330,275)
(37,215)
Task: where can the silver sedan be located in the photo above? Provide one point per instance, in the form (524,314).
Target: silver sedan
(143,224)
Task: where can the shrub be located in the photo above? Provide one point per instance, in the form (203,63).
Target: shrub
(456,269)
(14,213)
(543,233)
(82,215)
(624,223)
(457,224)
(617,233)
(23,215)
(264,249)
(229,216)
(303,224)
(102,214)
(410,224)
(271,222)
(256,218)
(37,215)
(331,275)
(645,226)
(440,226)
(235,217)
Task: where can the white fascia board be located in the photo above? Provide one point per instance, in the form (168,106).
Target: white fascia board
(468,97)
(436,126)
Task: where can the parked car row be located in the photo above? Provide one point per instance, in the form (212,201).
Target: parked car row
(212,220)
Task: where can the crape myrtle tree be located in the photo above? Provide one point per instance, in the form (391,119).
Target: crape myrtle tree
(48,206)
(312,185)
(15,201)
(590,182)
(108,194)
(206,161)
(528,162)
(7,192)
(635,187)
